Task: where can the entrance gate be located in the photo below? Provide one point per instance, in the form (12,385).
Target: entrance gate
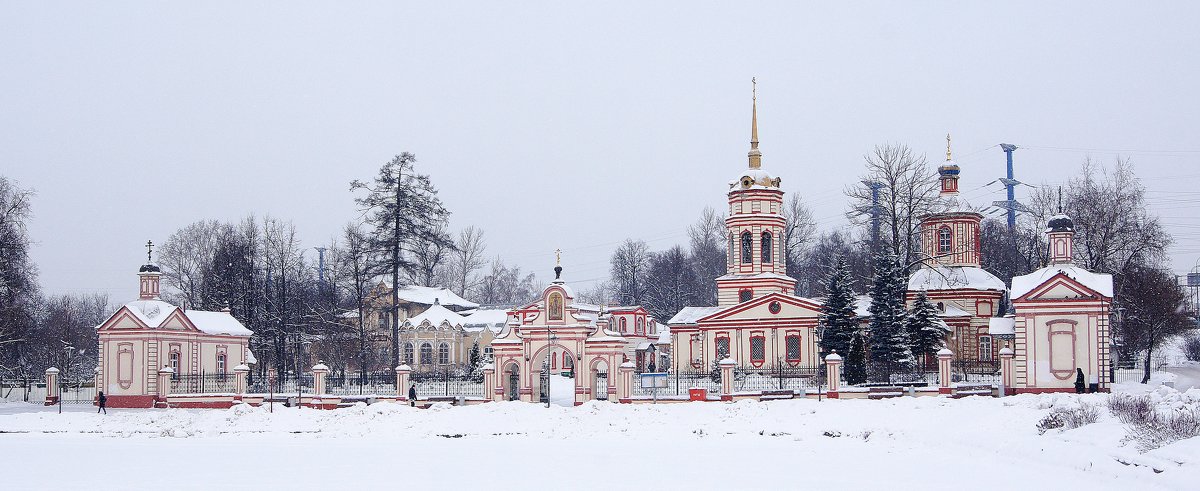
(601,386)
(514,382)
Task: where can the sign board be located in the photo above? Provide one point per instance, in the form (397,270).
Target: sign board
(1193,280)
(653,380)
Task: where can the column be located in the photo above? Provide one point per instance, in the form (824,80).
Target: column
(1006,371)
(727,378)
(402,372)
(239,380)
(625,385)
(319,371)
(52,388)
(164,382)
(944,356)
(489,381)
(833,374)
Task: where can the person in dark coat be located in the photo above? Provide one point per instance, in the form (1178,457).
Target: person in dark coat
(1079,384)
(412,395)
(101,400)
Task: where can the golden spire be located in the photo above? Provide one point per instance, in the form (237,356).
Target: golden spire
(754,154)
(947,147)
(558,257)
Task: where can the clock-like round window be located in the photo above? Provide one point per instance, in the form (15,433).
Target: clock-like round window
(747,182)
(774,307)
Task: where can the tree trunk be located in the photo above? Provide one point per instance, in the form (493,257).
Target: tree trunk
(1146,373)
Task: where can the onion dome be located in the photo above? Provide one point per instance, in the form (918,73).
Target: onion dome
(1060,223)
(149,268)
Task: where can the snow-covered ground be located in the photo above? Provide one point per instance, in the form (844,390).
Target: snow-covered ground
(904,443)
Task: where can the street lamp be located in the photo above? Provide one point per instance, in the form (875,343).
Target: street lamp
(550,338)
(66,369)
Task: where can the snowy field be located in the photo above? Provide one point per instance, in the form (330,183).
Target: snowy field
(906,443)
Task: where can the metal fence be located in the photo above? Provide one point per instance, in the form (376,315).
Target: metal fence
(908,374)
(679,382)
(361,383)
(72,392)
(285,383)
(204,383)
(448,382)
(777,378)
(980,372)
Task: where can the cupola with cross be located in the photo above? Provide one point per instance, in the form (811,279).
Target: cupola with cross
(756,262)
(950,234)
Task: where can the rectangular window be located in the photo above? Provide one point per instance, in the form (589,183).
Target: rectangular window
(722,347)
(758,349)
(793,347)
(985,348)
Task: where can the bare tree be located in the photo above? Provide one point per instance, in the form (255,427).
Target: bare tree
(819,262)
(599,294)
(799,233)
(505,286)
(18,274)
(466,260)
(707,238)
(1154,315)
(630,263)
(430,256)
(355,280)
(907,190)
(184,258)
(671,284)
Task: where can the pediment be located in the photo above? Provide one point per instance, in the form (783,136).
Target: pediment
(790,307)
(1060,287)
(178,322)
(122,319)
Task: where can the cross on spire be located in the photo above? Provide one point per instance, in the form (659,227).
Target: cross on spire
(947,147)
(755,155)
(149,250)
(558,257)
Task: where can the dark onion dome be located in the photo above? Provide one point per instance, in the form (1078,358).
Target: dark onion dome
(949,169)
(1060,223)
(149,268)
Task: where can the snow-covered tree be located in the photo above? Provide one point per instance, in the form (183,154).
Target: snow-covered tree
(855,363)
(838,321)
(18,274)
(707,255)
(926,331)
(630,266)
(889,342)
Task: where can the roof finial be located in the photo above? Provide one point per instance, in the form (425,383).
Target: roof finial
(149,249)
(558,257)
(755,155)
(947,147)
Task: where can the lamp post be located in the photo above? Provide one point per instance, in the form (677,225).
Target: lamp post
(66,369)
(550,338)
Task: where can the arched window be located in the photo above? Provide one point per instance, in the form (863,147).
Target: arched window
(767,252)
(792,342)
(747,248)
(745,295)
(426,354)
(553,361)
(944,241)
(722,347)
(758,349)
(443,354)
(383,319)
(639,327)
(408,353)
(555,306)
(623,328)
(568,363)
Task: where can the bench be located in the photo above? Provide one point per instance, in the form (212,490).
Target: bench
(886,392)
(777,395)
(966,390)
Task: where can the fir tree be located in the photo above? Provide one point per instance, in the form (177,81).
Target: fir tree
(856,360)
(889,342)
(838,320)
(715,372)
(926,331)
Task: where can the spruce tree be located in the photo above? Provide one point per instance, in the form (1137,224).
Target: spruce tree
(838,320)
(926,331)
(856,360)
(889,342)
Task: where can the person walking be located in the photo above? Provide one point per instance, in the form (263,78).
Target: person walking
(101,400)
(412,395)
(1079,384)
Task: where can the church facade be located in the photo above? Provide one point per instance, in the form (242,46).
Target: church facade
(758,320)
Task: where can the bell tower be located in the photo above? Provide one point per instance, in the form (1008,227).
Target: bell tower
(950,235)
(756,263)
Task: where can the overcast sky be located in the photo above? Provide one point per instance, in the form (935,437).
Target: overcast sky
(562,126)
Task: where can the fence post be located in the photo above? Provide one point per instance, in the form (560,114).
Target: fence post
(239,380)
(402,372)
(833,376)
(1006,370)
(319,371)
(164,383)
(944,357)
(489,382)
(53,391)
(727,378)
(626,385)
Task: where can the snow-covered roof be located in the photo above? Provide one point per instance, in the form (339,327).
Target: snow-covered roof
(762,180)
(664,334)
(492,319)
(689,315)
(154,312)
(436,315)
(216,323)
(954,311)
(756,276)
(569,291)
(151,312)
(429,296)
(1002,326)
(1101,283)
(954,278)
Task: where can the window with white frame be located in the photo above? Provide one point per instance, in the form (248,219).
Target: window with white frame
(443,354)
(944,240)
(221,363)
(985,348)
(408,353)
